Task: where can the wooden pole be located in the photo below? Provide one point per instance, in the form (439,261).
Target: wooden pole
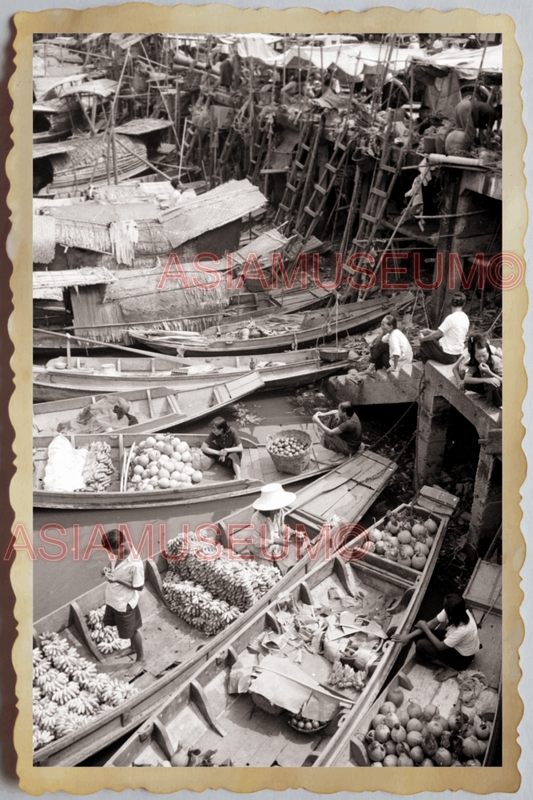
(144,160)
(169,115)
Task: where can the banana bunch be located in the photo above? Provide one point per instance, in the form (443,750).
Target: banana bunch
(100,470)
(37,656)
(84,704)
(48,716)
(37,694)
(68,721)
(198,607)
(55,646)
(63,694)
(67,662)
(52,681)
(41,737)
(105,636)
(40,670)
(84,673)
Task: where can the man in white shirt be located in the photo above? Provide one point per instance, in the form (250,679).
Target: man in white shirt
(447,343)
(125,579)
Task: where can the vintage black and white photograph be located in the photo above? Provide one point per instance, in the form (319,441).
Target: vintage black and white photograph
(267,399)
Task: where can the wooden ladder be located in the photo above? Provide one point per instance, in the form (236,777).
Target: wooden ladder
(296,176)
(380,191)
(225,153)
(258,150)
(323,187)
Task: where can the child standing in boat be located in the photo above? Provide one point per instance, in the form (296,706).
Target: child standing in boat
(125,579)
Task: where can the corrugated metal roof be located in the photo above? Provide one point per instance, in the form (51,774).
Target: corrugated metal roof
(43,149)
(59,279)
(211,210)
(136,127)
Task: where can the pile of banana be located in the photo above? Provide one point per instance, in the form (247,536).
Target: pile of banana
(99,469)
(239,583)
(198,607)
(68,691)
(105,637)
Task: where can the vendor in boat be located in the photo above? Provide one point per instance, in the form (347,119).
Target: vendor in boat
(446,344)
(122,408)
(125,579)
(342,431)
(269,540)
(450,639)
(224,446)
(391,349)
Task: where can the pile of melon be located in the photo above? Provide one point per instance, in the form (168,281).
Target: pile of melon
(403,734)
(162,462)
(404,538)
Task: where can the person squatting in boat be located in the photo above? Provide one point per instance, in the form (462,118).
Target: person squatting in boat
(450,639)
(224,446)
(125,579)
(342,431)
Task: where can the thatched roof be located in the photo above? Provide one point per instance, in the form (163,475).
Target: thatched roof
(136,127)
(43,282)
(45,149)
(87,163)
(226,203)
(139,298)
(105,213)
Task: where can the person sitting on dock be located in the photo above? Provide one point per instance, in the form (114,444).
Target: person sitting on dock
(391,349)
(125,579)
(450,639)
(482,369)
(224,446)
(342,432)
(446,344)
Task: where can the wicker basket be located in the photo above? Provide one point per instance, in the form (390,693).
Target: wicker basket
(333,353)
(292,464)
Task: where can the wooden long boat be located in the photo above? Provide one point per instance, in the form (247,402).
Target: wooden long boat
(418,681)
(243,703)
(257,469)
(175,649)
(57,381)
(282,332)
(253,305)
(155,409)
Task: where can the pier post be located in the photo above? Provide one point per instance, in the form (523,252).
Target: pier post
(487,504)
(431,436)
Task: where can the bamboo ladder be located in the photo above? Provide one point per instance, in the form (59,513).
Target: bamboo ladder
(380,191)
(296,176)
(323,186)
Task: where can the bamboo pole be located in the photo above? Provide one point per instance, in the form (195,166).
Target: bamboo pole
(169,115)
(144,160)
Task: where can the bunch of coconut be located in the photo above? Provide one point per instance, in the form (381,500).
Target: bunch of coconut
(405,539)
(162,462)
(403,734)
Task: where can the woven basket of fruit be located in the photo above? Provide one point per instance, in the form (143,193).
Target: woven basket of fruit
(304,725)
(290,450)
